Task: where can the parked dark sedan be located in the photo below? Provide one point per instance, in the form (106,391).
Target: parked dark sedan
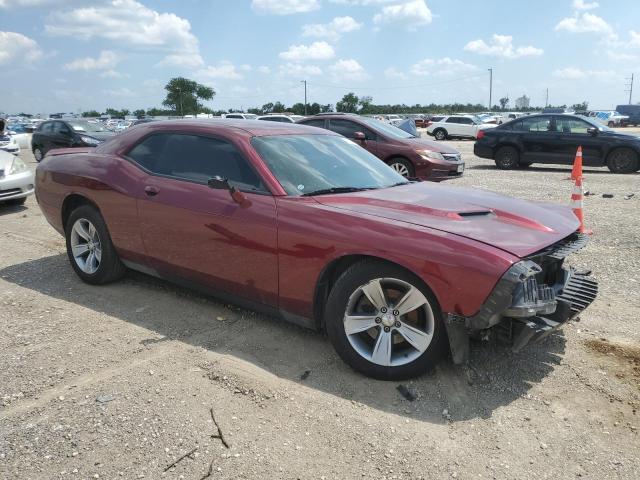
(409,155)
(67,134)
(306,225)
(555,139)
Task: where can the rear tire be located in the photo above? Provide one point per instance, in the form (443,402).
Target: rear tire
(440,134)
(89,247)
(623,160)
(403,166)
(507,158)
(360,348)
(38,153)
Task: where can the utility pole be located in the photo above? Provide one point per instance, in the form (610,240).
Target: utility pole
(630,87)
(546,99)
(305,95)
(490,86)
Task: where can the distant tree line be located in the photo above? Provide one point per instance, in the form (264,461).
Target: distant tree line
(184,97)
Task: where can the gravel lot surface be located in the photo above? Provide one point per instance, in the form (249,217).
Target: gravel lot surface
(141,379)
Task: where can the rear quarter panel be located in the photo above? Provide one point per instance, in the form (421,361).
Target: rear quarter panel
(460,272)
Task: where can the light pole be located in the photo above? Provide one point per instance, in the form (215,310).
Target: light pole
(490,86)
(305,95)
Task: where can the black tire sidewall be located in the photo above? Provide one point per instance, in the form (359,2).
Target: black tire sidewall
(634,165)
(438,131)
(110,267)
(41,154)
(499,162)
(356,276)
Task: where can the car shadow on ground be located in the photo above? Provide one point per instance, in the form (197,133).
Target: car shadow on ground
(7,208)
(497,376)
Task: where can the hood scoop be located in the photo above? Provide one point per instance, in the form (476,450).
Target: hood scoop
(479,213)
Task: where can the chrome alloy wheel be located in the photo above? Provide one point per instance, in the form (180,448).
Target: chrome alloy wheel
(85,246)
(389,322)
(401,169)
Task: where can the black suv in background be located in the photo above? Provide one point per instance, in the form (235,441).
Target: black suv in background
(66,134)
(555,139)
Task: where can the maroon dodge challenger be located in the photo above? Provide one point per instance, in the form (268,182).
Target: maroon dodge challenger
(304,224)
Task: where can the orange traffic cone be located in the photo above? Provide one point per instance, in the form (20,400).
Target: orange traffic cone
(577,166)
(577,204)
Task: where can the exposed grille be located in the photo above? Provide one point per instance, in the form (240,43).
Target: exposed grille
(9,192)
(533,293)
(579,291)
(564,247)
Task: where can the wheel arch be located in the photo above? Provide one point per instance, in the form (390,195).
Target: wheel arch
(73,201)
(337,267)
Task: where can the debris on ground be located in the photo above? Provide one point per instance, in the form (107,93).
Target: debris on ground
(105,398)
(406,393)
(173,464)
(607,195)
(305,375)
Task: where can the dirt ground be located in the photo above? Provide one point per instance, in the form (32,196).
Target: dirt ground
(124,381)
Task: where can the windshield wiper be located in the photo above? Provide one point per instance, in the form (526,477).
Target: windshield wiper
(327,191)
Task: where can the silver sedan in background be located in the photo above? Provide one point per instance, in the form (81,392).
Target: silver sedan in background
(16,179)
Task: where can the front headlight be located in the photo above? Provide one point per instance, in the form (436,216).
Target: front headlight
(428,154)
(89,140)
(18,166)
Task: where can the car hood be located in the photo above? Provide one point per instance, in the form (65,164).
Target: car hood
(97,135)
(421,143)
(6,159)
(516,226)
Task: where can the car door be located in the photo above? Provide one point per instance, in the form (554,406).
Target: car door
(43,136)
(453,126)
(348,129)
(573,133)
(61,136)
(200,234)
(539,139)
(467,127)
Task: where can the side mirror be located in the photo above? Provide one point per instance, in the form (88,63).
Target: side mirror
(593,131)
(219,183)
(359,136)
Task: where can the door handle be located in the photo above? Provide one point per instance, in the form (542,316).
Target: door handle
(151,191)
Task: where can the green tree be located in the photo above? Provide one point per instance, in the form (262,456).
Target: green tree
(298,108)
(365,104)
(504,101)
(348,104)
(314,108)
(580,107)
(184,95)
(91,113)
(139,113)
(267,107)
(278,107)
(326,108)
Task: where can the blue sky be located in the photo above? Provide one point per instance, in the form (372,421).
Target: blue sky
(70,55)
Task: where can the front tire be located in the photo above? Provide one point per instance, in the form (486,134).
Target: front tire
(403,167)
(440,134)
(507,158)
(38,154)
(89,247)
(623,160)
(384,322)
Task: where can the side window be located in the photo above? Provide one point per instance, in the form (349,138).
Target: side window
(465,120)
(61,128)
(233,116)
(452,120)
(46,127)
(572,125)
(195,158)
(348,128)
(315,123)
(536,124)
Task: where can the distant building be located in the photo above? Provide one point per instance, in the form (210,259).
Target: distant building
(522,102)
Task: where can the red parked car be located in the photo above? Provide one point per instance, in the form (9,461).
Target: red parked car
(303,223)
(410,156)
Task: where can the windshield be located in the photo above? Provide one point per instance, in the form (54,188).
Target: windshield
(87,127)
(386,128)
(304,164)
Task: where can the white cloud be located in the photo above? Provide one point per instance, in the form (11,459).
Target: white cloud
(348,69)
(332,30)
(14,4)
(114,74)
(225,70)
(298,70)
(130,23)
(15,47)
(411,14)
(392,73)
(107,60)
(574,73)
(501,46)
(582,5)
(441,67)
(634,38)
(584,23)
(284,7)
(264,69)
(364,3)
(246,67)
(315,51)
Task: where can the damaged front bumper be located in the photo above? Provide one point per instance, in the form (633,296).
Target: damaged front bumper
(534,297)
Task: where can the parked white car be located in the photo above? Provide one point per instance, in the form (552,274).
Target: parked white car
(506,117)
(20,134)
(610,118)
(281,118)
(16,179)
(245,116)
(9,144)
(457,126)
